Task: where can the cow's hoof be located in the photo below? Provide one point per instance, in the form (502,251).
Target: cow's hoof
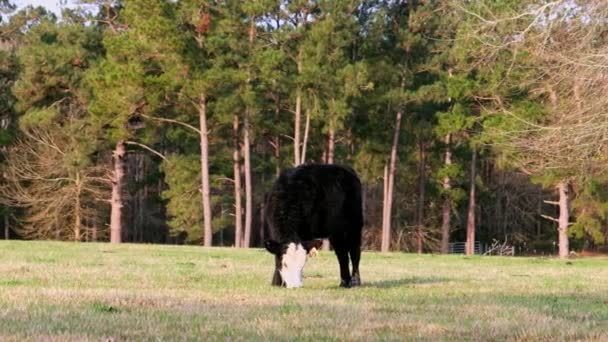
(345,284)
(355,281)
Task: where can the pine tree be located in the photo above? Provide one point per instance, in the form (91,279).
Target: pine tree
(10,38)
(136,79)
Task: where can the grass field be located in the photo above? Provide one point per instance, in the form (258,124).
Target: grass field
(63,291)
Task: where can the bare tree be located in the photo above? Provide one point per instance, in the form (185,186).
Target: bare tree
(567,54)
(60,194)
(566,51)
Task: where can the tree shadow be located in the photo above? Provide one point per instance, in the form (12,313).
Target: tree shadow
(404,282)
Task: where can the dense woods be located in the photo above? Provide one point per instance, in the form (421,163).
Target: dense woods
(167,121)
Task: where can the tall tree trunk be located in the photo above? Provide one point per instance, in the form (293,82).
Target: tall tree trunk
(261,211)
(305,141)
(238,211)
(129,217)
(277,139)
(564,219)
(470,244)
(87,230)
(385,242)
(141,197)
(94,231)
(499,219)
(262,220)
(298,114)
(248,187)
(539,210)
(351,146)
(421,196)
(446,211)
(390,184)
(247,150)
(331,143)
(117,190)
(7,227)
(364,201)
(77,209)
(205,188)
(277,156)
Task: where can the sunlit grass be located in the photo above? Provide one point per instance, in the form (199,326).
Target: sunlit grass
(64,291)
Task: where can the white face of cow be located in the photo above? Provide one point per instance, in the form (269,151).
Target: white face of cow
(292,264)
(290,258)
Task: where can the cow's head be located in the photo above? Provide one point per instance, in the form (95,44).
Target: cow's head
(291,258)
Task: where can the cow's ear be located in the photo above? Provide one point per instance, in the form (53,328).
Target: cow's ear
(272,246)
(308,245)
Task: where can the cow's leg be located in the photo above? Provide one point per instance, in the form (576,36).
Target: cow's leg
(342,255)
(276,278)
(355,256)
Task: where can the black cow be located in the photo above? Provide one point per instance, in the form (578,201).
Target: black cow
(306,204)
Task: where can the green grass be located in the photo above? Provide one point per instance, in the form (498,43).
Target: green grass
(62,291)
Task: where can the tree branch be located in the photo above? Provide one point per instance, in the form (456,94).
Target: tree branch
(198,131)
(226,179)
(147,148)
(549,218)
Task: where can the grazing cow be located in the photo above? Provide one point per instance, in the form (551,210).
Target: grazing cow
(306,204)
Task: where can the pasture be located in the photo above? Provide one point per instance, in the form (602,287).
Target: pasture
(65,291)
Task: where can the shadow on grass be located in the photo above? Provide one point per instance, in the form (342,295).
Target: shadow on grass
(405,282)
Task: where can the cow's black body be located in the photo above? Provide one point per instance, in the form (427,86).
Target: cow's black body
(318,201)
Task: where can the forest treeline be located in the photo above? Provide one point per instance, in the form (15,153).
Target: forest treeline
(167,121)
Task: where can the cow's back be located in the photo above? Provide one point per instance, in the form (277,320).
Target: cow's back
(315,201)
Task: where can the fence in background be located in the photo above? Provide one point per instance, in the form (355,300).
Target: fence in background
(458,247)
